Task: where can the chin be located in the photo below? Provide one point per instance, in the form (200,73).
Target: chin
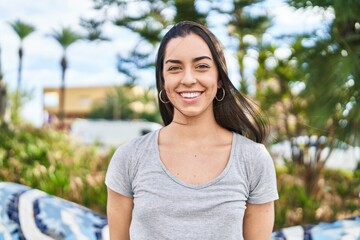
(191,114)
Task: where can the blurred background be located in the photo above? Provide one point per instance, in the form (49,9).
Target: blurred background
(77,80)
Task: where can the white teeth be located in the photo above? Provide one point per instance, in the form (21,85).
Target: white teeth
(190,94)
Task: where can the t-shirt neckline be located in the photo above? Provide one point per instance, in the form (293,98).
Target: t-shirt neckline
(189,185)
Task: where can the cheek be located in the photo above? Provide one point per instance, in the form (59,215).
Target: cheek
(171,78)
(169,83)
(169,91)
(168,87)
(211,81)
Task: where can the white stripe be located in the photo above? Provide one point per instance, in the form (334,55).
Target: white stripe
(73,225)
(105,233)
(3,184)
(4,233)
(351,230)
(294,233)
(26,215)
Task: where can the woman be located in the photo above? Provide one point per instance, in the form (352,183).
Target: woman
(205,175)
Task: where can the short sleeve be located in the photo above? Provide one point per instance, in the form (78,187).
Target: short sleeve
(263,187)
(118,173)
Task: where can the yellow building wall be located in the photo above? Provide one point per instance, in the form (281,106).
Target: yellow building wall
(78,100)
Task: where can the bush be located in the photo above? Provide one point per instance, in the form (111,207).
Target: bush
(337,197)
(53,162)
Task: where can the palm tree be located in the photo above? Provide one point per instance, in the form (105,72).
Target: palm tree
(22,29)
(65,37)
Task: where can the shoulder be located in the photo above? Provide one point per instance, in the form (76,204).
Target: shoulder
(128,155)
(255,162)
(135,148)
(141,143)
(252,154)
(259,169)
(247,146)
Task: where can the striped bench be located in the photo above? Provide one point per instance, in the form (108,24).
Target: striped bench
(31,214)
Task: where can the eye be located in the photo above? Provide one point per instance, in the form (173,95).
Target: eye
(202,67)
(174,68)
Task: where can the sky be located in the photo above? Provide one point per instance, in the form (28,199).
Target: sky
(90,63)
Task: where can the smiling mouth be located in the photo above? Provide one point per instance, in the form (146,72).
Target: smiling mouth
(190,95)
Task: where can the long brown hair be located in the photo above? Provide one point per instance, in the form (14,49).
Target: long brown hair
(236,112)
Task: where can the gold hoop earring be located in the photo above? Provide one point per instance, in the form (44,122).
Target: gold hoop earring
(223,95)
(160,97)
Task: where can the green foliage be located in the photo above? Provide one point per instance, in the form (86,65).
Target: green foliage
(21,28)
(3,94)
(243,25)
(291,96)
(128,102)
(93,28)
(186,10)
(336,197)
(147,23)
(65,37)
(332,61)
(53,162)
(16,101)
(152,17)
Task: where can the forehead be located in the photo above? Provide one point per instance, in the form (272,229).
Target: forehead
(189,46)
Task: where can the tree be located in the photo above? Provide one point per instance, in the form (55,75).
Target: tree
(94,29)
(65,37)
(247,28)
(332,65)
(187,10)
(332,77)
(22,30)
(152,17)
(281,92)
(147,23)
(127,102)
(311,95)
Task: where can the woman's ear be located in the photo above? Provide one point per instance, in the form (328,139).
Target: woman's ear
(219,84)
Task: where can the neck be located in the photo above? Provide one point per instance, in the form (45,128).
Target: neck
(199,128)
(194,129)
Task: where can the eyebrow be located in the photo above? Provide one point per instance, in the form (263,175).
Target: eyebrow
(194,60)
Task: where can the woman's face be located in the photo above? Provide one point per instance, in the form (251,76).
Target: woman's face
(190,76)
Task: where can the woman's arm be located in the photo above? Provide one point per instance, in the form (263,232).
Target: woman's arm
(119,212)
(258,221)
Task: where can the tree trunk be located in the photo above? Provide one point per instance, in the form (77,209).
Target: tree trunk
(3,99)
(20,68)
(16,107)
(62,115)
(311,161)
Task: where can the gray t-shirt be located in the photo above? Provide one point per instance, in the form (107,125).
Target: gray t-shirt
(167,208)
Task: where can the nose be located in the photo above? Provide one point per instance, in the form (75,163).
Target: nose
(188,78)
